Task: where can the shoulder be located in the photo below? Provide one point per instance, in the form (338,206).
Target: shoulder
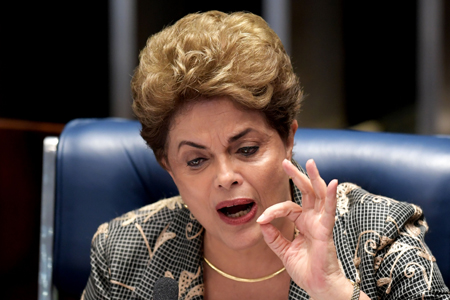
(378,218)
(123,248)
(385,239)
(373,224)
(355,202)
(151,218)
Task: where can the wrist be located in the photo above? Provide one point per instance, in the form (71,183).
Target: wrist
(340,289)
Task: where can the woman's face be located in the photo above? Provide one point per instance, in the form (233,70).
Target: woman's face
(226,163)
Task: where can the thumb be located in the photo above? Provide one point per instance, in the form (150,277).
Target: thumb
(275,240)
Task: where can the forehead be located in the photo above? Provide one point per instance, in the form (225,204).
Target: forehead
(214,115)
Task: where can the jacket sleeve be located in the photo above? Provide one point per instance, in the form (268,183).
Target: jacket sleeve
(98,285)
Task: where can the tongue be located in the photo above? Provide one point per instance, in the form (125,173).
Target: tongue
(236,208)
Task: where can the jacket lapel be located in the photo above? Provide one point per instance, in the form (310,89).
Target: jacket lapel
(176,254)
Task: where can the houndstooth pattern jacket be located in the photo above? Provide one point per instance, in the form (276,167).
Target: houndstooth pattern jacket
(379,242)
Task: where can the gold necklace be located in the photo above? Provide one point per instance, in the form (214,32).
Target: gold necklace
(239,278)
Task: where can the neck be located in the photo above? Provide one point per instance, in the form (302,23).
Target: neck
(255,261)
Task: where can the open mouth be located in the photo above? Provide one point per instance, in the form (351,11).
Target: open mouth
(237,211)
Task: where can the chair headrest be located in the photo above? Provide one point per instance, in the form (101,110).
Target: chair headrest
(103,169)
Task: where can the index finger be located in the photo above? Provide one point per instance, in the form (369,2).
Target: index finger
(288,209)
(302,182)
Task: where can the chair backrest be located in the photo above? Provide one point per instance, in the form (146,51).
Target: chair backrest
(104,169)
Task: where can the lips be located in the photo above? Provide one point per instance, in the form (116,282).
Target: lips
(237,211)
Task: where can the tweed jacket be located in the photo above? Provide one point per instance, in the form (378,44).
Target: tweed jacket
(379,243)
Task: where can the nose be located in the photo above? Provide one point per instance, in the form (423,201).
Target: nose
(227,176)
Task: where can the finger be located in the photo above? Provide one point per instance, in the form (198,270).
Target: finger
(275,240)
(288,209)
(302,182)
(319,185)
(330,205)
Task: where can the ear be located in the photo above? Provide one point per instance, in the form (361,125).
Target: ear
(290,140)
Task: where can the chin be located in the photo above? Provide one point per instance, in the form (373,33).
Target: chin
(245,239)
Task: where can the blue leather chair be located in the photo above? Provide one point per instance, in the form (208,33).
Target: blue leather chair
(104,169)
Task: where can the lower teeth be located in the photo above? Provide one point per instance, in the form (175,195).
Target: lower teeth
(239,214)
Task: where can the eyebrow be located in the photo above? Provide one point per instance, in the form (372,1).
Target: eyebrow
(239,135)
(230,140)
(192,144)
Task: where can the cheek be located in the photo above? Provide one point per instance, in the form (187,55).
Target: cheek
(196,196)
(193,190)
(190,190)
(271,181)
(271,163)
(271,178)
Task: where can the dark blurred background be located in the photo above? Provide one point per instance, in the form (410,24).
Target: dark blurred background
(363,65)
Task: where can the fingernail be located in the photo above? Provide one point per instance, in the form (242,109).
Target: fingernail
(288,162)
(261,218)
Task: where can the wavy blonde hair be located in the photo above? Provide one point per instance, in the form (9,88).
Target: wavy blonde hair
(213,54)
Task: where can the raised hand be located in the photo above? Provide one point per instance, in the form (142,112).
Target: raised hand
(310,259)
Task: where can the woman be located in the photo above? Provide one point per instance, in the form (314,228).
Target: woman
(217,98)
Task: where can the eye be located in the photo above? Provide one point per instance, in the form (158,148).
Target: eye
(247,151)
(195,162)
